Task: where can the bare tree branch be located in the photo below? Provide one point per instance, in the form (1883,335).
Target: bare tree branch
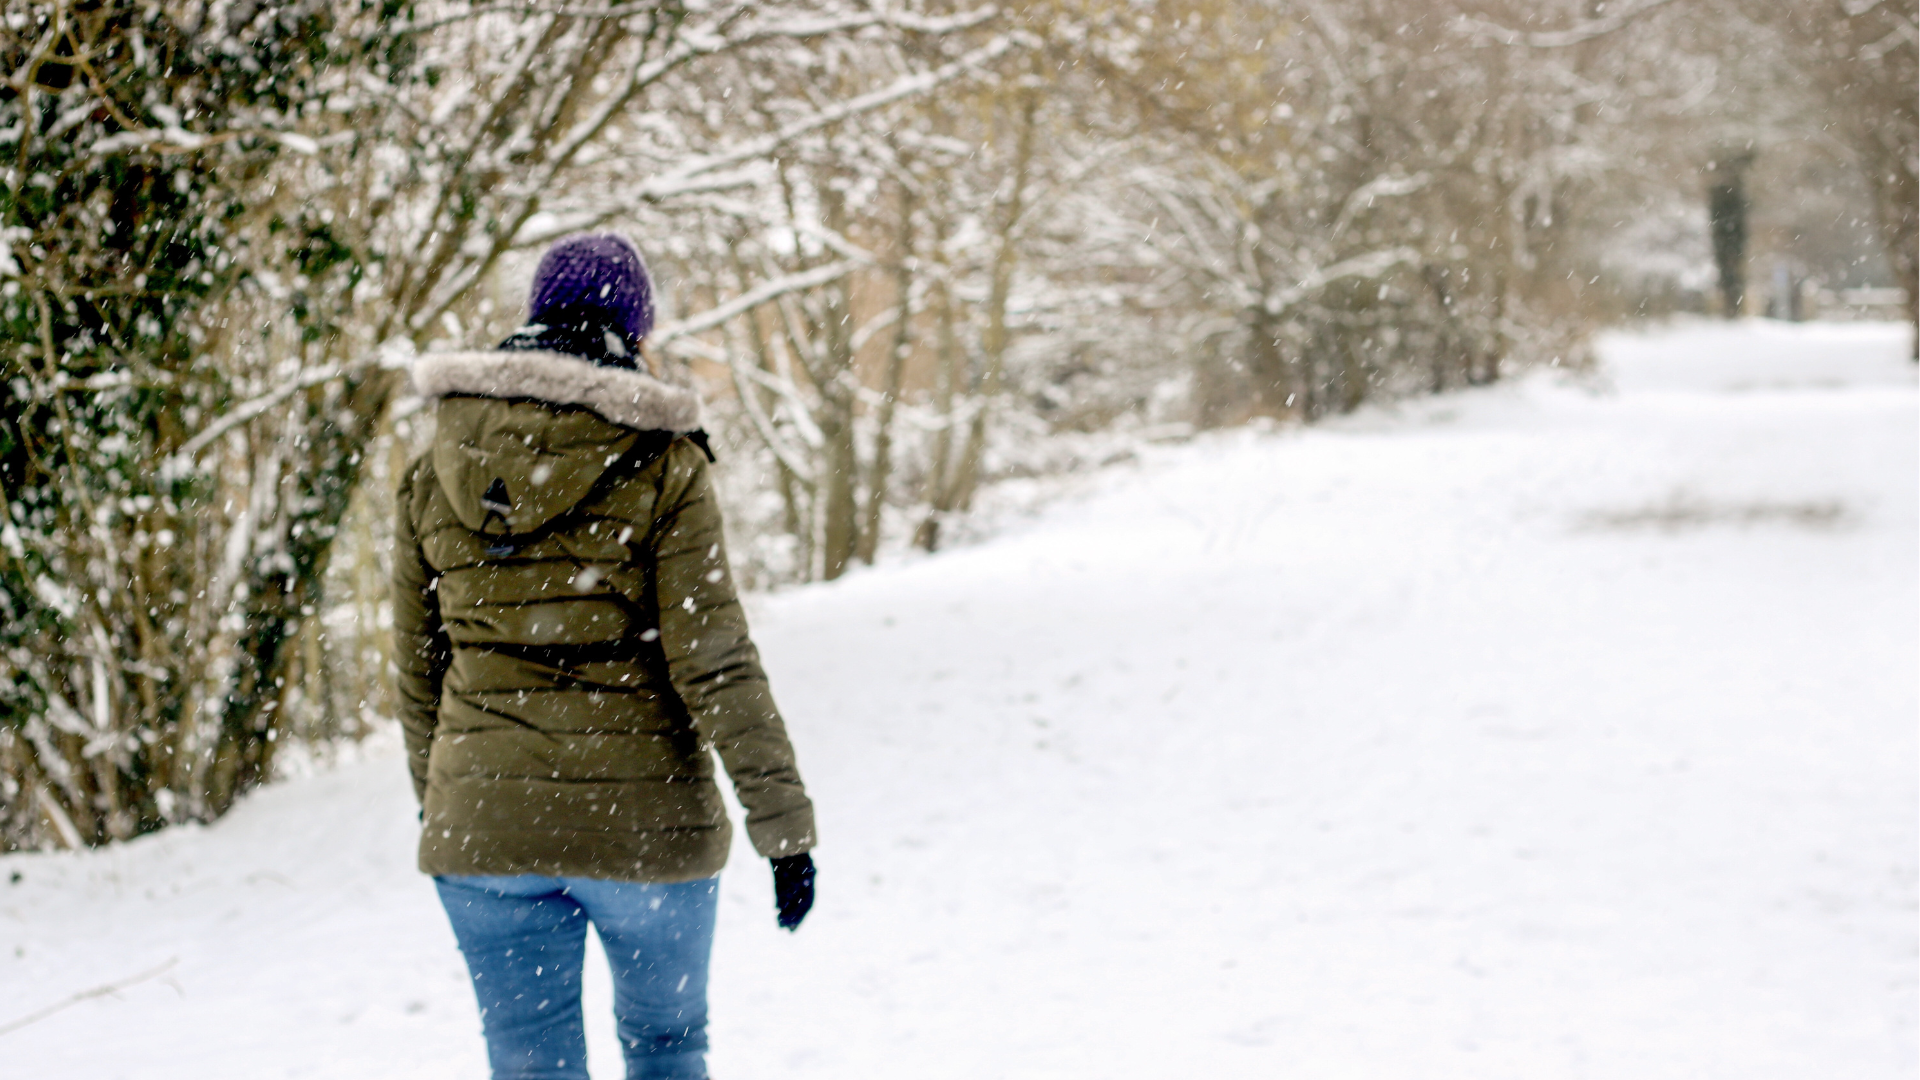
(1371,265)
(772,290)
(104,990)
(1579,33)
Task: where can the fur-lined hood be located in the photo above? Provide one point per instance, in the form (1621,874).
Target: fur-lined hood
(632,399)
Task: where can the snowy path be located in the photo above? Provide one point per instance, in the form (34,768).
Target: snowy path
(1525,733)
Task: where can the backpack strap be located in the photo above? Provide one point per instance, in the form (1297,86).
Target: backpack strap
(698,437)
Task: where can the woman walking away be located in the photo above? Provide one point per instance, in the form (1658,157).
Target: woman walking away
(570,648)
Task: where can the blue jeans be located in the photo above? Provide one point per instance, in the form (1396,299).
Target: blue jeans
(525,937)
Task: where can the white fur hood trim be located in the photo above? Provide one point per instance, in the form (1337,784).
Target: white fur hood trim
(632,399)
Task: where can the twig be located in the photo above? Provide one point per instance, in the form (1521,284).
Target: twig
(240,414)
(1579,33)
(1372,264)
(35,1017)
(683,179)
(745,302)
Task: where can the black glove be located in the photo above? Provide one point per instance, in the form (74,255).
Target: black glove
(793,888)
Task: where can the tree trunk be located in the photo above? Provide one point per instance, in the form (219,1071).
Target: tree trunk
(838,385)
(952,480)
(995,338)
(1895,194)
(1280,381)
(950,375)
(840,530)
(880,470)
(796,495)
(1727,208)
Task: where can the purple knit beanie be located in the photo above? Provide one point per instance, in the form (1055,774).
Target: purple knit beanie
(593,281)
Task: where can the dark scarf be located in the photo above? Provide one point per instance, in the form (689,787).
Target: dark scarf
(593,341)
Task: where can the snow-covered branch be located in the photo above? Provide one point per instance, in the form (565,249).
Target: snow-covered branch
(1380,187)
(1580,33)
(685,177)
(828,238)
(747,301)
(1371,265)
(182,459)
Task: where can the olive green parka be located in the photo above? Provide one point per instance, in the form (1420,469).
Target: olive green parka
(569,643)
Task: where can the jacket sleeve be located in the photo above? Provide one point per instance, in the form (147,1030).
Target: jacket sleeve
(714,665)
(420,647)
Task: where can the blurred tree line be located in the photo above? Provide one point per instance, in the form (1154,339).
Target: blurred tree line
(910,249)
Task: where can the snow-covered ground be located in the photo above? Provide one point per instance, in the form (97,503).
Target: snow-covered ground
(1550,730)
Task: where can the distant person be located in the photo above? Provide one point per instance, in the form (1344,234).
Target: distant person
(570,646)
